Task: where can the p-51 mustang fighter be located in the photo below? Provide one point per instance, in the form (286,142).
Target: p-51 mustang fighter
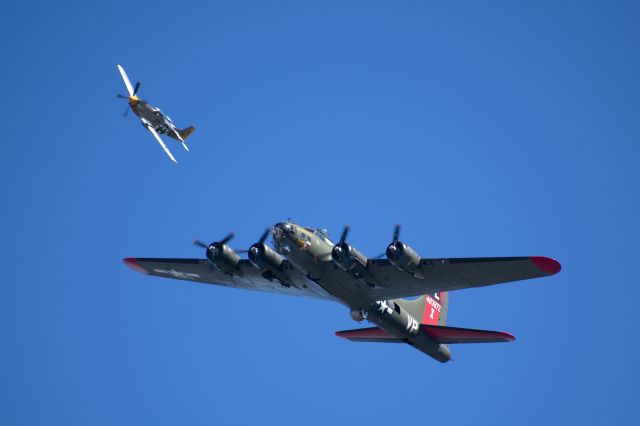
(152,118)
(305,262)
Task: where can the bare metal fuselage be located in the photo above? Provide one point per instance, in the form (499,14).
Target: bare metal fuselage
(152,116)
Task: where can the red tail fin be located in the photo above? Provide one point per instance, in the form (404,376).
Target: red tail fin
(435,308)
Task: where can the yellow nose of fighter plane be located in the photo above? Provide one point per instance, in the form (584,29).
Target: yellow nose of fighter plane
(132,98)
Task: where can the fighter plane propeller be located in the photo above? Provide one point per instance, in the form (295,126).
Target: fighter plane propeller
(152,118)
(132,98)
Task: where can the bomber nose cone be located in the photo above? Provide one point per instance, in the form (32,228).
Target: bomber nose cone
(285,227)
(278,232)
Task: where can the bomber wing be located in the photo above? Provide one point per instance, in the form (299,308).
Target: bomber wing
(387,282)
(248,277)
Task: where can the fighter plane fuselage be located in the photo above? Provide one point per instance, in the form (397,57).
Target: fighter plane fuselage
(152,116)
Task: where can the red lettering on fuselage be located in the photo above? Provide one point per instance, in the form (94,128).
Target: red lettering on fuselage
(431,311)
(433,303)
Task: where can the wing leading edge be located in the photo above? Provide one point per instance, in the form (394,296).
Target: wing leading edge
(161,142)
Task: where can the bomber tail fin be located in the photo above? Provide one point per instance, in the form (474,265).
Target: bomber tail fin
(429,309)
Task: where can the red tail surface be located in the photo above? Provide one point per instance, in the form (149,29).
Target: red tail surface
(440,334)
(435,308)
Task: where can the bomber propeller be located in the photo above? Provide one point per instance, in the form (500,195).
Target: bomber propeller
(342,247)
(396,235)
(259,247)
(215,247)
(394,246)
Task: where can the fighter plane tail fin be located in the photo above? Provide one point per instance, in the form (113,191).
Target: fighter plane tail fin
(184,133)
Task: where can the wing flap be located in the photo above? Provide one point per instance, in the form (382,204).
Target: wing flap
(449,335)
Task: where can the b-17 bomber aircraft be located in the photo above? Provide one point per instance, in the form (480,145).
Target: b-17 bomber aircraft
(152,118)
(305,262)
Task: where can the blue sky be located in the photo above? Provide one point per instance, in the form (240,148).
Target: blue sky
(484,128)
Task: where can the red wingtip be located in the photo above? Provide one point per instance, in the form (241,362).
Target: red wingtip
(547,264)
(132,263)
(508,336)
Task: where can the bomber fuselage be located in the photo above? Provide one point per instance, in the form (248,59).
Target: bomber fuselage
(310,250)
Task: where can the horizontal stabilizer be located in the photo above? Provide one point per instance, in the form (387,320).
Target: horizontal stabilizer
(440,334)
(373,334)
(464,335)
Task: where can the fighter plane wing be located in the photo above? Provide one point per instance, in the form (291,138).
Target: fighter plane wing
(454,274)
(157,136)
(248,277)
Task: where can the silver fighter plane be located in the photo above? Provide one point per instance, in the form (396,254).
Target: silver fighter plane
(152,118)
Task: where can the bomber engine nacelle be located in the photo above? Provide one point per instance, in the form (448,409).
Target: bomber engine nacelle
(269,261)
(220,255)
(402,256)
(346,257)
(264,257)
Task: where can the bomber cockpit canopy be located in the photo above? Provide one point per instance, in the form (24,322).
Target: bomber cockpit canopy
(321,233)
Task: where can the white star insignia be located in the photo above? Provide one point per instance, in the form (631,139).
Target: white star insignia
(384,307)
(178,274)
